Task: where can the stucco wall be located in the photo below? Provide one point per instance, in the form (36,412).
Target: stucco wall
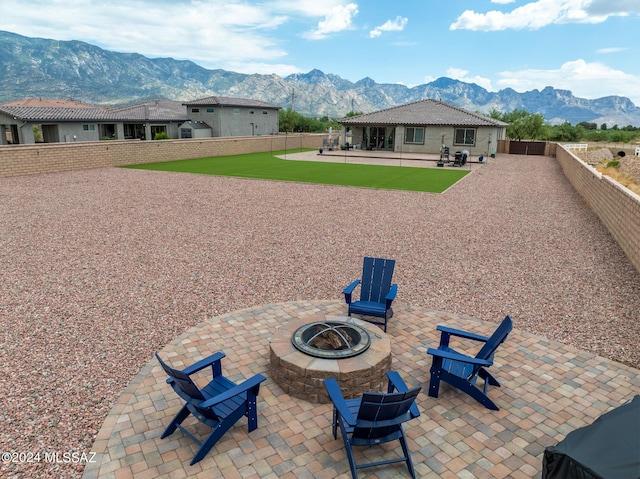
(236,121)
(617,207)
(16,160)
(433,140)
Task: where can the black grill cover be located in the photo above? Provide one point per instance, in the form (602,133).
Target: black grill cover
(607,449)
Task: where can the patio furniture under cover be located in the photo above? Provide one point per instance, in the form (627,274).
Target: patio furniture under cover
(606,449)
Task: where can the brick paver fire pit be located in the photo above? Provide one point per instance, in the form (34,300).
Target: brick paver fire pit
(301,375)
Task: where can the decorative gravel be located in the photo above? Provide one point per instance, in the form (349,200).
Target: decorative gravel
(99,268)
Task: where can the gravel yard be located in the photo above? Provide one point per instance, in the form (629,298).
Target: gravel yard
(102,267)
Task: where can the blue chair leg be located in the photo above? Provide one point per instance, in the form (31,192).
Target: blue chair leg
(434,382)
(176,421)
(405,450)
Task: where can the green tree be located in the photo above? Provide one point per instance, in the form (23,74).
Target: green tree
(37,135)
(292,121)
(587,125)
(287,119)
(523,125)
(496,114)
(565,132)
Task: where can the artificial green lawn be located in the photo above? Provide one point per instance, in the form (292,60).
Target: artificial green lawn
(267,166)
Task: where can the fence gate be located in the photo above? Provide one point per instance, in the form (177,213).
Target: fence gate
(527,147)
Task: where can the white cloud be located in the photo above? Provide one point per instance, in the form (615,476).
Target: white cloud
(211,34)
(238,35)
(308,8)
(463,75)
(611,50)
(541,13)
(396,25)
(338,19)
(585,80)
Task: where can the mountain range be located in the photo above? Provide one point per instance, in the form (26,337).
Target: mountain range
(36,67)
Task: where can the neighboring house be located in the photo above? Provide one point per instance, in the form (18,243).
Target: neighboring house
(143,121)
(234,116)
(50,121)
(424,127)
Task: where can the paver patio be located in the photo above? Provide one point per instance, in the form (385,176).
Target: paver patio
(548,389)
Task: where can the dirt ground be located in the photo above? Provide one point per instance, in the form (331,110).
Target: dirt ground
(629,164)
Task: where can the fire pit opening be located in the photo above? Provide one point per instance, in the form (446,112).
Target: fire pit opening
(331,339)
(300,368)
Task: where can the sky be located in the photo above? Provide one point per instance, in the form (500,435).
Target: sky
(590,47)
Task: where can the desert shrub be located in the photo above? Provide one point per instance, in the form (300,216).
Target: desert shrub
(161,136)
(613,164)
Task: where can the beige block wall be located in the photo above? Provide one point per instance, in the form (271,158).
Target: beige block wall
(16,160)
(617,207)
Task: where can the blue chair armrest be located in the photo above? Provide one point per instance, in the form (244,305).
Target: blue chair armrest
(243,387)
(391,295)
(462,334)
(458,357)
(349,289)
(203,363)
(397,383)
(333,389)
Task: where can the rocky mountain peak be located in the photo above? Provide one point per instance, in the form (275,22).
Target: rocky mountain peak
(35,67)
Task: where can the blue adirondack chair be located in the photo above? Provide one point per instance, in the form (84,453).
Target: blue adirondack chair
(219,405)
(373,419)
(376,291)
(462,371)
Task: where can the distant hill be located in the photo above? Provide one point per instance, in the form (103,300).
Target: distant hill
(35,67)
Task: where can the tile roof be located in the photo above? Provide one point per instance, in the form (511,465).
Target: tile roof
(48,113)
(154,110)
(424,112)
(228,101)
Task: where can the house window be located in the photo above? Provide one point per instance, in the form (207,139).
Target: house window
(89,127)
(186,133)
(236,111)
(265,112)
(414,135)
(195,110)
(158,129)
(251,112)
(209,110)
(465,136)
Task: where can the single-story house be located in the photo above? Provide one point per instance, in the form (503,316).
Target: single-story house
(424,127)
(49,121)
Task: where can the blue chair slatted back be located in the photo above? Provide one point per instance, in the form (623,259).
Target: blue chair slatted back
(182,383)
(381,415)
(377,274)
(496,339)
